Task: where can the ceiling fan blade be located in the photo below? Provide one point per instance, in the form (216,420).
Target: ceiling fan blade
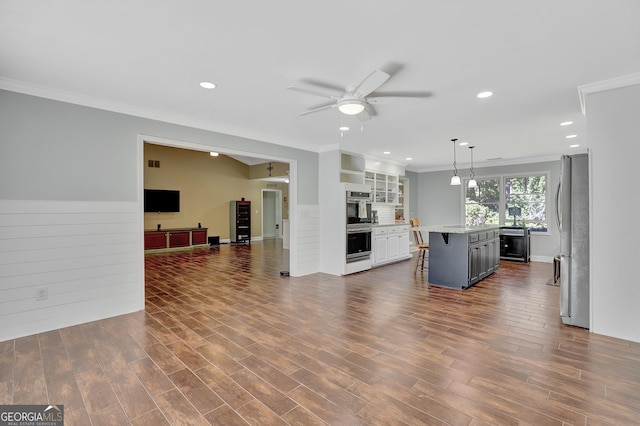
(395,97)
(324,85)
(312,92)
(371,83)
(320,108)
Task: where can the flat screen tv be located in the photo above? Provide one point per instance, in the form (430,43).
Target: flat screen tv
(161,200)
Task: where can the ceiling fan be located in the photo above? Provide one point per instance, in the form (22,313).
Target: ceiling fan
(358,100)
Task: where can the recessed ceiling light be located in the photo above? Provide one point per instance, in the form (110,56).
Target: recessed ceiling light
(566,123)
(344,128)
(464,143)
(387,152)
(571,136)
(408,158)
(484,94)
(213,154)
(207,85)
(574,145)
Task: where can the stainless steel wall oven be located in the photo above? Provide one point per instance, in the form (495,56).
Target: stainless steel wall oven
(358,242)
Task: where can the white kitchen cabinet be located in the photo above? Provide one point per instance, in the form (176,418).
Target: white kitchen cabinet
(384,187)
(391,244)
(380,253)
(403,244)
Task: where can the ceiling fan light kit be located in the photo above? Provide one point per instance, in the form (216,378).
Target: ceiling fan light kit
(351,106)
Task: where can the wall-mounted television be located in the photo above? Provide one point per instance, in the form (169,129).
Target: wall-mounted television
(161,200)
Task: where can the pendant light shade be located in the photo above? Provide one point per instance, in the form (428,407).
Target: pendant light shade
(472,181)
(455,179)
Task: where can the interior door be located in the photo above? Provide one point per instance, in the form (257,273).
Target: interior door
(271,214)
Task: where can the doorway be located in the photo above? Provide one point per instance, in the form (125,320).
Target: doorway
(271,213)
(292,203)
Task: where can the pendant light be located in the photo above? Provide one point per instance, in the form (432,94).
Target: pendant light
(472,182)
(455,179)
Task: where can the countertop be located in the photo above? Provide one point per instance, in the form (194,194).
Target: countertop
(456,229)
(378,225)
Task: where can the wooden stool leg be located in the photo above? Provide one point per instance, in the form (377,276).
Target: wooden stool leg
(420,261)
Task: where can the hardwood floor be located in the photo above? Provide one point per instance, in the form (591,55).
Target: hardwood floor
(226,340)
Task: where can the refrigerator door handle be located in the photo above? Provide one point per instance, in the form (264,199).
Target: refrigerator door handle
(565,283)
(558,213)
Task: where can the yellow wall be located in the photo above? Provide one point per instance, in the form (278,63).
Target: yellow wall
(260,171)
(207,185)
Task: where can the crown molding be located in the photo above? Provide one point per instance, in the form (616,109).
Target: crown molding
(329,148)
(599,86)
(483,164)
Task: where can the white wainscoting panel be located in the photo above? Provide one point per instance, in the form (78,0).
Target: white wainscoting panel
(308,238)
(67,262)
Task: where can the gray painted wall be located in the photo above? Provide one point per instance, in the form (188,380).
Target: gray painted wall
(414,195)
(438,203)
(53,150)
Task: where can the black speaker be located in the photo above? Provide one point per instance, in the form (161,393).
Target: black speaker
(214,241)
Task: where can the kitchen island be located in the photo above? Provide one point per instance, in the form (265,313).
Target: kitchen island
(460,256)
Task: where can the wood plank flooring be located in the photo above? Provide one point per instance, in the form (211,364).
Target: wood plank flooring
(226,340)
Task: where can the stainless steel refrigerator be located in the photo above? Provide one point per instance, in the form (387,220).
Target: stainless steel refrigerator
(572,212)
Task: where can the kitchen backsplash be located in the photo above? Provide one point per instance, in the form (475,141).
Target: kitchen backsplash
(386,213)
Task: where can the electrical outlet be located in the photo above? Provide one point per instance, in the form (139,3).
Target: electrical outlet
(42,293)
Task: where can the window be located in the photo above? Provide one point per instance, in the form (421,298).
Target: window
(507,200)
(528,195)
(482,204)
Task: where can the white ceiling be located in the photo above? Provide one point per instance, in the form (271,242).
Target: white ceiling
(148,58)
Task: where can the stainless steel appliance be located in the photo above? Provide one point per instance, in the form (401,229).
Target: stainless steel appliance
(359,218)
(572,212)
(359,207)
(358,242)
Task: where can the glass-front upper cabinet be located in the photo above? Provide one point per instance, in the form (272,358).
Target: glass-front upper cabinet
(400,206)
(384,187)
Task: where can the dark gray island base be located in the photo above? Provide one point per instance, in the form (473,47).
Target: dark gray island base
(461,256)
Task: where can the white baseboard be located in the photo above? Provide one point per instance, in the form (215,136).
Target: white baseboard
(545,259)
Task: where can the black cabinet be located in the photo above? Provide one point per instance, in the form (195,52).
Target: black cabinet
(483,255)
(514,243)
(240,221)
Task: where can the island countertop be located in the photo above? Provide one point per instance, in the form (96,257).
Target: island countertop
(455,229)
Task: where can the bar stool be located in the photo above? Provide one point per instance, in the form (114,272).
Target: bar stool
(423,247)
